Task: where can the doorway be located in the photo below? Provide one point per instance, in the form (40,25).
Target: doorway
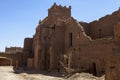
(94,70)
(70,39)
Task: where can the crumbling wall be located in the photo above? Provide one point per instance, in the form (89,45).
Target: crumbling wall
(90,55)
(104,27)
(86,27)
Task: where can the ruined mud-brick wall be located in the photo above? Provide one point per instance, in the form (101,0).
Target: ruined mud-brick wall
(113,67)
(90,55)
(103,27)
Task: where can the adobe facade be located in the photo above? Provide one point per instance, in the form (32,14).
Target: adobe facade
(61,42)
(113,67)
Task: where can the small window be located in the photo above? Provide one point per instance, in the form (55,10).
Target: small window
(79,49)
(70,39)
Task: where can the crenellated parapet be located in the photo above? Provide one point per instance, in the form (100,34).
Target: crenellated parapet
(59,11)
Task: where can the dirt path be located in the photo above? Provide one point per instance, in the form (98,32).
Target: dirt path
(7,73)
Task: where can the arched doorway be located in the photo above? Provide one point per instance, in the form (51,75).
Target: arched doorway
(5,61)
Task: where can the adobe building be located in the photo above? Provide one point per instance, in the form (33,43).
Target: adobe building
(12,57)
(61,42)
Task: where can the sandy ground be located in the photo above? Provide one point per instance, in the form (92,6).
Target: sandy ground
(7,73)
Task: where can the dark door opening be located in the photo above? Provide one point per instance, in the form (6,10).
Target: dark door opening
(94,71)
(70,39)
(47,60)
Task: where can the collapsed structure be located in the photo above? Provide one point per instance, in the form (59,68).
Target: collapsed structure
(61,42)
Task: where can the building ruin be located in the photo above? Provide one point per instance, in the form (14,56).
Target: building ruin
(61,42)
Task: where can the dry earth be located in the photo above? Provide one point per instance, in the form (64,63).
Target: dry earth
(7,73)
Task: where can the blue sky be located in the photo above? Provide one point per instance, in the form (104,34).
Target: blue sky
(19,18)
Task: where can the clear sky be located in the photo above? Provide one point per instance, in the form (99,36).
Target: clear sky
(19,18)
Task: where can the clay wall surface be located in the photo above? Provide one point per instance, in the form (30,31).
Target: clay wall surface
(117,32)
(36,43)
(113,67)
(95,52)
(27,51)
(57,43)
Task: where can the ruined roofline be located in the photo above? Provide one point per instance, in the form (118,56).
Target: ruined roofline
(117,12)
(60,6)
(114,16)
(14,47)
(83,31)
(82,27)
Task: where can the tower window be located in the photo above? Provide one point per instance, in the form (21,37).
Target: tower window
(70,39)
